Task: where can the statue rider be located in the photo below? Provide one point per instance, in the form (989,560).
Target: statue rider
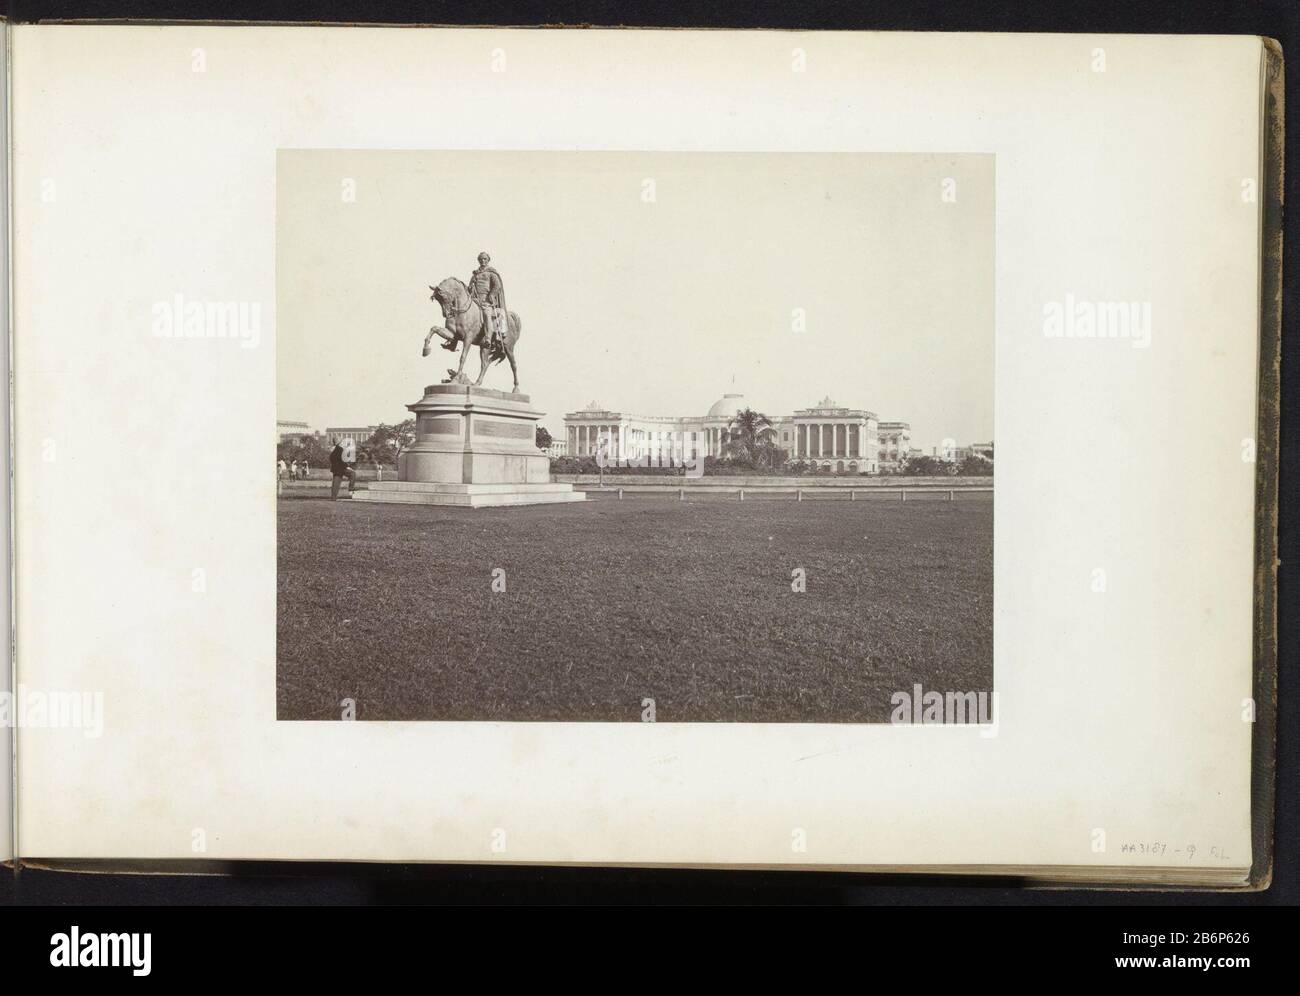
(486,288)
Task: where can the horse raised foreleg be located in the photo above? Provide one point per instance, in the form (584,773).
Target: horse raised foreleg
(451,339)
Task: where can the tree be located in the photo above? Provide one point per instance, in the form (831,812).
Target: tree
(751,441)
(543,437)
(303,447)
(388,442)
(927,466)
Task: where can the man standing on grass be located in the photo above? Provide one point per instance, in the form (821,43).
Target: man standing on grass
(340,470)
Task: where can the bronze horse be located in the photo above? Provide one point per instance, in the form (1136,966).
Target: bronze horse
(466,323)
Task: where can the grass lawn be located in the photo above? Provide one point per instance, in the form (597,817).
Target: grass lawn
(610,602)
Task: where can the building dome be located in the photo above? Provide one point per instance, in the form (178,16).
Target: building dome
(728,406)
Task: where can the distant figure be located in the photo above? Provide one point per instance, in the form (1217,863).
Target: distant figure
(281,471)
(379,471)
(293,471)
(340,469)
(306,470)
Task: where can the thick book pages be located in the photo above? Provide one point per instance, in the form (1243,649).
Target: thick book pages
(691,448)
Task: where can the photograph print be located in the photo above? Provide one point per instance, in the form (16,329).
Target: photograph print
(674,437)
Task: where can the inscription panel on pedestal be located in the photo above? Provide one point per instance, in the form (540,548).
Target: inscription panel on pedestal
(504,430)
(429,426)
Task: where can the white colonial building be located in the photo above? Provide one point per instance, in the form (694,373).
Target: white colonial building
(285,427)
(895,445)
(832,437)
(835,438)
(357,434)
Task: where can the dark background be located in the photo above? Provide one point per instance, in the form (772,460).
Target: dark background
(308,883)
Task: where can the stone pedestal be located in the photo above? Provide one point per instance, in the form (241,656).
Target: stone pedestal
(474,447)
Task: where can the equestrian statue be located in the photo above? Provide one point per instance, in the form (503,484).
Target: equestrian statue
(475,314)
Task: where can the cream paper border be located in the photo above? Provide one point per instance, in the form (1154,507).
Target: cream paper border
(1119,712)
(8,734)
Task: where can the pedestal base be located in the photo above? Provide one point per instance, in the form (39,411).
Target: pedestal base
(474,447)
(468,495)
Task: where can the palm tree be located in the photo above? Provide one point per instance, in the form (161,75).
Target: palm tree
(751,440)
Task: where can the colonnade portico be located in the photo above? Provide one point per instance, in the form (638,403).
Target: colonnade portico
(829,432)
(830,439)
(626,438)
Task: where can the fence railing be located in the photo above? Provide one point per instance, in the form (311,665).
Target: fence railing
(761,491)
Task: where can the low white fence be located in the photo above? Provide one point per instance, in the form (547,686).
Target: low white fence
(861,482)
(767,491)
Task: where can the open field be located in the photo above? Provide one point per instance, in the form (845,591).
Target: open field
(611,602)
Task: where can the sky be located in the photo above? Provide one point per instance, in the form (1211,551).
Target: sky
(650,282)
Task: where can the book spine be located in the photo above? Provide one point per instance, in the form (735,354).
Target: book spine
(1267,456)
